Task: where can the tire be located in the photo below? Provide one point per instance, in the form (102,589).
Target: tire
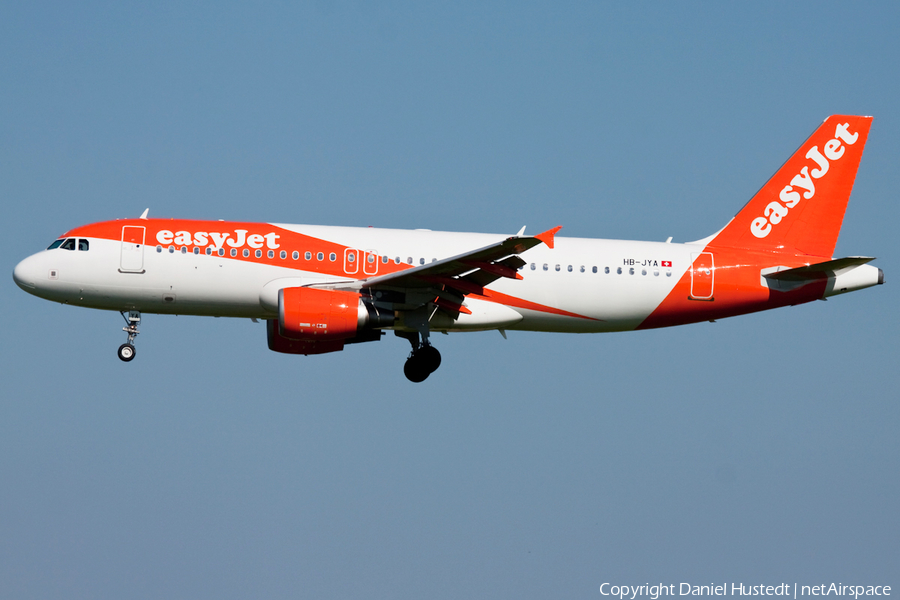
(126,352)
(415,370)
(430,357)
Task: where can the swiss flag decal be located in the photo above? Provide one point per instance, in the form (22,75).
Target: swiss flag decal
(667,263)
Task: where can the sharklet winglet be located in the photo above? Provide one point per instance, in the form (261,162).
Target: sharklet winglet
(144,214)
(547,236)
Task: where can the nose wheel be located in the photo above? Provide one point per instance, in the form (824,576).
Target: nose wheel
(126,351)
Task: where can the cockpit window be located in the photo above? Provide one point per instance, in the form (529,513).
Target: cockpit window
(69,244)
(55,244)
(83,245)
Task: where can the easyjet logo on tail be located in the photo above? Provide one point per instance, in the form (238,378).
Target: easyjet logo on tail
(805,181)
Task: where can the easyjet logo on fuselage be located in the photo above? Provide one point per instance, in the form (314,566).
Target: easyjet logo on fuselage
(776,211)
(218,240)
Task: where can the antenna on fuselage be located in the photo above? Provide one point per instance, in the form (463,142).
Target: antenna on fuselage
(144,214)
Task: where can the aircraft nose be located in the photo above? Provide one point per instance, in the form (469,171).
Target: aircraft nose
(25,274)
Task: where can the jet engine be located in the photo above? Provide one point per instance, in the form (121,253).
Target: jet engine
(316,321)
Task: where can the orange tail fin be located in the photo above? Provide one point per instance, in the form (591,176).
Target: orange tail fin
(801,208)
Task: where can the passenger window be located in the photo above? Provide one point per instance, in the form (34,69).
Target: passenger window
(233,252)
(421,261)
(643,271)
(246,253)
(631,271)
(570,268)
(605,270)
(259,254)
(320,256)
(409,260)
(295,255)
(332,257)
(308,256)
(171,249)
(533,266)
(196,250)
(557,267)
(271,254)
(546,267)
(283,255)
(55,244)
(184,249)
(656,272)
(83,245)
(619,271)
(582,269)
(384,260)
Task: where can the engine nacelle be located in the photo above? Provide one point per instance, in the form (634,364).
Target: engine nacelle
(279,343)
(315,321)
(311,314)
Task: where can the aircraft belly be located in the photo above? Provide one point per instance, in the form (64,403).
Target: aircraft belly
(485,315)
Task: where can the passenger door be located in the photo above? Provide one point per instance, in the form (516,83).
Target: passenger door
(132,258)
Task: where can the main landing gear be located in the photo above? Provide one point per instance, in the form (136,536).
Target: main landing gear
(126,350)
(423,360)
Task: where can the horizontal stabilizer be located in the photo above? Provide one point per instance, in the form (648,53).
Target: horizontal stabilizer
(822,270)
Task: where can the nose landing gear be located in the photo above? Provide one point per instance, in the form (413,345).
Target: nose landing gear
(423,360)
(126,350)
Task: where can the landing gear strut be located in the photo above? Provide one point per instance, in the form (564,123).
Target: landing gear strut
(423,360)
(126,350)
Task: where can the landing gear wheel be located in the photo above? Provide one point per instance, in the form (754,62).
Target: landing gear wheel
(126,352)
(424,358)
(430,357)
(415,369)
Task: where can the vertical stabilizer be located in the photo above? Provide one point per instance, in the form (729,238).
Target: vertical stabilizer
(801,208)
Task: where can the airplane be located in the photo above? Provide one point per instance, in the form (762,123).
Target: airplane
(320,288)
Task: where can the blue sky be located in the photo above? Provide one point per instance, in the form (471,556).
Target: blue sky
(757,449)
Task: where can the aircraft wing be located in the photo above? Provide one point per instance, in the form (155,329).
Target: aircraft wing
(451,279)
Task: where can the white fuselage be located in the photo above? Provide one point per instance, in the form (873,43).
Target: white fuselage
(611,284)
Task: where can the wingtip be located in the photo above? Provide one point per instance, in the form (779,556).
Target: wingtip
(145,213)
(547,236)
